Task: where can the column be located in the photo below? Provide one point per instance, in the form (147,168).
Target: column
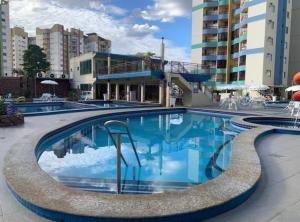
(128,93)
(108,65)
(168,91)
(108,91)
(161,92)
(142,92)
(143,65)
(117,91)
(94,90)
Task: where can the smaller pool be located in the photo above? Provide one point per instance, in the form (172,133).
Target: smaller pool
(103,104)
(277,122)
(37,109)
(31,108)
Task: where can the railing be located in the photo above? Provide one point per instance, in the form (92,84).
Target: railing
(117,144)
(140,66)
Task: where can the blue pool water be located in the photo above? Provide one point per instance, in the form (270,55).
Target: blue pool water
(60,107)
(176,151)
(44,108)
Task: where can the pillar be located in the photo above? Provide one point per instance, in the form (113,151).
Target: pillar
(143,66)
(143,92)
(161,92)
(108,65)
(168,92)
(117,91)
(128,93)
(108,91)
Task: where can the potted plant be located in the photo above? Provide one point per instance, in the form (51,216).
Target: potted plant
(9,115)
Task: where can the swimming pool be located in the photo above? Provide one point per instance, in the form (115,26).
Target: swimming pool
(36,109)
(177,150)
(291,123)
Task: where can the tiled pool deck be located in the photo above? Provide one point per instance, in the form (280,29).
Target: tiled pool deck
(277,197)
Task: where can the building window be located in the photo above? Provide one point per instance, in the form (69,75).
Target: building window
(270,40)
(86,67)
(269,73)
(271,24)
(272,7)
(286,30)
(269,56)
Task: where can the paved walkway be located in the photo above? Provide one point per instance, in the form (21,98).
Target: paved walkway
(277,198)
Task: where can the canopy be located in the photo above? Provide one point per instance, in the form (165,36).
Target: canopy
(258,87)
(293,88)
(49,82)
(231,87)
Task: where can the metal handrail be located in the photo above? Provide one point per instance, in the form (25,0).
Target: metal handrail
(118,147)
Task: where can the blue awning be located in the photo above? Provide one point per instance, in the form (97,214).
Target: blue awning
(154,74)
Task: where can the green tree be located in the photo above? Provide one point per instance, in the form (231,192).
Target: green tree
(35,61)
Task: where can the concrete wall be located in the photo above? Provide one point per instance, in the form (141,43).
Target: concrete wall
(17,86)
(197,27)
(255,40)
(75,76)
(294,54)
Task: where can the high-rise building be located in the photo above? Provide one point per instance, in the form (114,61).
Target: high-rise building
(31,40)
(294,58)
(60,45)
(243,41)
(76,42)
(54,42)
(5,40)
(19,39)
(95,43)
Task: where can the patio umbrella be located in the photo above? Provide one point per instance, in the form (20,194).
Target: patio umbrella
(293,88)
(258,87)
(231,87)
(50,82)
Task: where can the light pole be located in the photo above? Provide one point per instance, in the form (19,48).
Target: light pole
(38,68)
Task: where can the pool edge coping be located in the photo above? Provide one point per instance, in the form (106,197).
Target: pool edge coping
(238,183)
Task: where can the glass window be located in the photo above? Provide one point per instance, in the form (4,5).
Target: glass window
(86,67)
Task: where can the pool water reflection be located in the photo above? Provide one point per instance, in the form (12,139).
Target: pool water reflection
(177,151)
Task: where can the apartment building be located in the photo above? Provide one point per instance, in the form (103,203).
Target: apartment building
(19,40)
(294,58)
(5,40)
(61,45)
(95,43)
(76,42)
(243,41)
(31,40)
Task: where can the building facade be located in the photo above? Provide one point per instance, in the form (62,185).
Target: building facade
(54,43)
(31,40)
(243,41)
(19,39)
(95,43)
(76,42)
(61,45)
(294,60)
(5,40)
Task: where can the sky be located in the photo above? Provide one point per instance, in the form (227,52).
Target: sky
(132,25)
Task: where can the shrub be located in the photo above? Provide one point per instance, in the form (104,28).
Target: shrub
(2,107)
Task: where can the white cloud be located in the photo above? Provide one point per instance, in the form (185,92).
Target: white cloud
(166,10)
(42,13)
(143,29)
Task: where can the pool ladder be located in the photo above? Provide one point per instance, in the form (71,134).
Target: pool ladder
(117,144)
